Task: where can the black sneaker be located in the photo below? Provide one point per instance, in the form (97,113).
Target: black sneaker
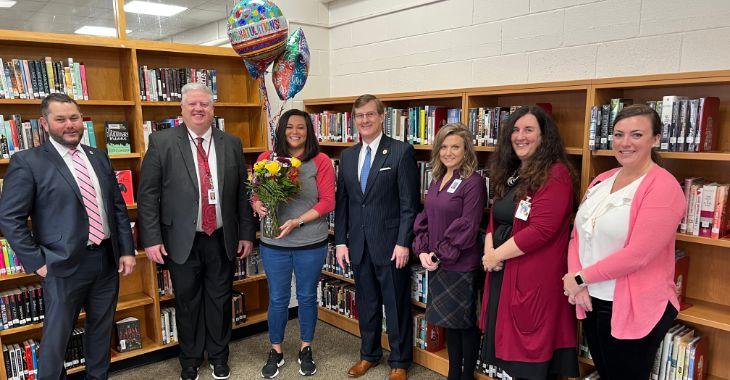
(271,368)
(220,371)
(306,363)
(189,373)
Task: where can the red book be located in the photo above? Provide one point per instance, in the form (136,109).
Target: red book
(29,369)
(124,178)
(547,107)
(698,367)
(720,216)
(681,271)
(709,118)
(435,338)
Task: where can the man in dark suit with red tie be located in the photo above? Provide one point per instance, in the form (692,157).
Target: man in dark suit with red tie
(377,201)
(81,238)
(195,217)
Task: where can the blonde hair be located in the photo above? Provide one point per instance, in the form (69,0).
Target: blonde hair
(468,163)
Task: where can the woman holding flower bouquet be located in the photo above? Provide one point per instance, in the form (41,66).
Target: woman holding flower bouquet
(294,184)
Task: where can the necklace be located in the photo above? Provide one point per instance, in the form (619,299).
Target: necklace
(512,180)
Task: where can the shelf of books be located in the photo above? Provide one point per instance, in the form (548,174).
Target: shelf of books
(695,147)
(126,89)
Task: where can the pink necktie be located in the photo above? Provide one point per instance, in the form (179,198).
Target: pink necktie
(88,194)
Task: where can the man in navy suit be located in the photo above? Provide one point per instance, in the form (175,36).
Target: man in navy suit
(81,238)
(377,201)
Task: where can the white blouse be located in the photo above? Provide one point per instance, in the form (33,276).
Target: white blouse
(603,225)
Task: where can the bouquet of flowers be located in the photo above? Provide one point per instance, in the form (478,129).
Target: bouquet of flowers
(274,181)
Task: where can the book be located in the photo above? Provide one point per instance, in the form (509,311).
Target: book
(709,112)
(117,138)
(128,334)
(681,271)
(124,179)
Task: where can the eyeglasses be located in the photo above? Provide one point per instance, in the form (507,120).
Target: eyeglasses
(363,116)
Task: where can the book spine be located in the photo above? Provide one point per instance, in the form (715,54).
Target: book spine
(718,220)
(605,120)
(30,69)
(595,116)
(31,83)
(84,85)
(51,75)
(78,87)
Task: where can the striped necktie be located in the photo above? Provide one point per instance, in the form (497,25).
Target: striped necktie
(88,194)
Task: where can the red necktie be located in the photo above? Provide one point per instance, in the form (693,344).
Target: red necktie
(207,209)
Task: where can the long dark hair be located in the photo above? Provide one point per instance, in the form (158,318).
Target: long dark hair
(656,123)
(311,146)
(537,171)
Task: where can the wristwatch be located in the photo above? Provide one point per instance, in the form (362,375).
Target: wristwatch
(579,280)
(301,223)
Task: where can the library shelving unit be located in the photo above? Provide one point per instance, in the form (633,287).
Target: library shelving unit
(709,275)
(112,66)
(708,283)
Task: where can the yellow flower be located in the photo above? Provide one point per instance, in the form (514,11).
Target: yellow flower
(273,167)
(295,162)
(258,165)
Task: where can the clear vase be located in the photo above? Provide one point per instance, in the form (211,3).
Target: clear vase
(270,224)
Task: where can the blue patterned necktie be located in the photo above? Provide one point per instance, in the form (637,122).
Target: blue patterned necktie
(365,170)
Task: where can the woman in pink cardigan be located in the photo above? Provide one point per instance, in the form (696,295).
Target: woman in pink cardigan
(621,253)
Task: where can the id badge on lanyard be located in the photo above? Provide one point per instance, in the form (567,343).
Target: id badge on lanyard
(523,209)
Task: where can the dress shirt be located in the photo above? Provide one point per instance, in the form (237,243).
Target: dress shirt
(68,160)
(604,225)
(363,151)
(209,148)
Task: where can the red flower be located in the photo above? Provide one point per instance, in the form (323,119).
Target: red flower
(293,174)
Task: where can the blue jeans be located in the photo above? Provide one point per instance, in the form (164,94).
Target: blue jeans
(306,264)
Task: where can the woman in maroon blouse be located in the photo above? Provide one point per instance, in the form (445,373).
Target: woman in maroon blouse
(446,243)
(528,323)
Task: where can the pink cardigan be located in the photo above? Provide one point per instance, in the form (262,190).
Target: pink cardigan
(644,267)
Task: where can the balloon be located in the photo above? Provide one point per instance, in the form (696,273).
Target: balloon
(292,66)
(257,30)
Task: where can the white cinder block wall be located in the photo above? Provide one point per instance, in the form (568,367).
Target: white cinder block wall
(382,46)
(310,15)
(440,44)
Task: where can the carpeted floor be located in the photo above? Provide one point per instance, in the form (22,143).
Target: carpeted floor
(334,352)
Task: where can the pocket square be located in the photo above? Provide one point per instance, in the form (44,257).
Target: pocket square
(384,169)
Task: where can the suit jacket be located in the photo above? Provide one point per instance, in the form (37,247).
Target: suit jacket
(169,194)
(40,185)
(383,216)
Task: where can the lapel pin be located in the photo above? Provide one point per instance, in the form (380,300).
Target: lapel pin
(385,151)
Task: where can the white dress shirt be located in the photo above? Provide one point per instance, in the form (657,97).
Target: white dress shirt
(68,160)
(603,221)
(209,148)
(363,151)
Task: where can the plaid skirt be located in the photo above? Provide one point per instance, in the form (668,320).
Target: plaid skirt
(451,299)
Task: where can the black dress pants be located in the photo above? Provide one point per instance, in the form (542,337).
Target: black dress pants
(203,288)
(375,286)
(95,286)
(625,359)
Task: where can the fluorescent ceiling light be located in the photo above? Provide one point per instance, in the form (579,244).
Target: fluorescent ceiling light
(7,3)
(98,31)
(154,9)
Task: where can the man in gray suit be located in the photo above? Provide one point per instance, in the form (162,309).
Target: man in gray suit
(81,238)
(377,201)
(195,217)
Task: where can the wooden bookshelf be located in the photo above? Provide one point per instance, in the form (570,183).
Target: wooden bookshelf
(112,71)
(709,278)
